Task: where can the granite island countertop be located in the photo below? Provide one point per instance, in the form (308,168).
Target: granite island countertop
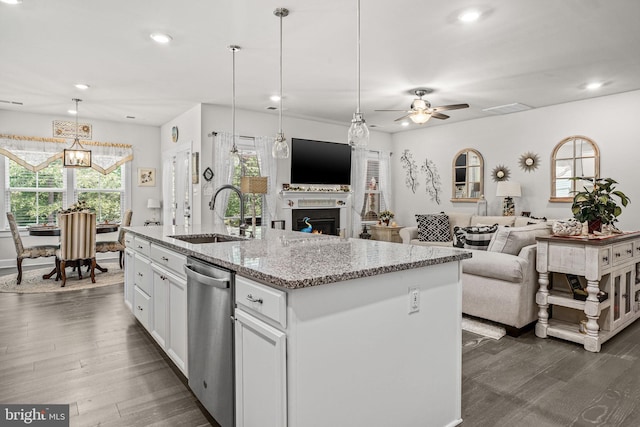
(292,259)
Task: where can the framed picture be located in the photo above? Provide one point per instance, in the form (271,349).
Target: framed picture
(195,168)
(146,177)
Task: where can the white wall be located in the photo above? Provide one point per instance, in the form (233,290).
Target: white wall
(146,153)
(610,121)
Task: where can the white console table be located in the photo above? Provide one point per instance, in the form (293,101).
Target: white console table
(610,264)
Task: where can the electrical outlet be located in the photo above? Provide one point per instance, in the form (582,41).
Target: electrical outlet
(414,300)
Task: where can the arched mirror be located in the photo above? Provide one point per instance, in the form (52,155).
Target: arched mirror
(468,176)
(573,156)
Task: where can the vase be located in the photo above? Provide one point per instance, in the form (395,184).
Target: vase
(594,225)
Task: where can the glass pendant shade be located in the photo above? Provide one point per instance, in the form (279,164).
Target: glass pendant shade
(358,135)
(280,149)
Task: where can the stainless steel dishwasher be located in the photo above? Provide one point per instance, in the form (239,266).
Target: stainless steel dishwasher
(210,338)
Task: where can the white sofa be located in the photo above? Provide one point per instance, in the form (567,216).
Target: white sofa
(499,284)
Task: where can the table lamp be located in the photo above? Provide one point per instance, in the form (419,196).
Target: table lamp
(153,204)
(508,190)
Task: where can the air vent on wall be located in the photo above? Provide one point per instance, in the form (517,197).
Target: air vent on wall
(507,108)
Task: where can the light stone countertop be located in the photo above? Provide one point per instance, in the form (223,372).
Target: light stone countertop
(292,259)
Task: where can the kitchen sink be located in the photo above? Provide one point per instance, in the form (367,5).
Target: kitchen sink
(207,238)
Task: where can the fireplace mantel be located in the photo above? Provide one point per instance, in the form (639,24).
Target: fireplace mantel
(318,200)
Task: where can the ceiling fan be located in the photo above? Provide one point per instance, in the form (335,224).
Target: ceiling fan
(421,110)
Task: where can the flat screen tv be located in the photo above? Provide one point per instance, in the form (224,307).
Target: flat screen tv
(319,162)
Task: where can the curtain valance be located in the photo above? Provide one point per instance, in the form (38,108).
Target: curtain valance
(36,153)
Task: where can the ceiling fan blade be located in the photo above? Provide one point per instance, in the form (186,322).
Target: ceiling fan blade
(402,118)
(450,107)
(392,110)
(440,116)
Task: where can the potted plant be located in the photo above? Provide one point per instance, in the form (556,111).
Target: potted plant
(595,203)
(385,216)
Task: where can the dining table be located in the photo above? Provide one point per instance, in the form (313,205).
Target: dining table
(54,230)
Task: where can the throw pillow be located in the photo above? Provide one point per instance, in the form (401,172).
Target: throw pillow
(511,240)
(478,237)
(433,228)
(458,237)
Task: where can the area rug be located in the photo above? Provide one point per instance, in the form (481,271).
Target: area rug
(486,329)
(32,281)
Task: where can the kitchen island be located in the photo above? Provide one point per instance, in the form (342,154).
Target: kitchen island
(328,331)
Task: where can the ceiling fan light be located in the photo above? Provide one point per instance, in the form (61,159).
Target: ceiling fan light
(419,104)
(420,117)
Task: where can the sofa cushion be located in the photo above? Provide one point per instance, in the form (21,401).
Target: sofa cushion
(496,265)
(479,237)
(433,228)
(458,219)
(490,220)
(510,240)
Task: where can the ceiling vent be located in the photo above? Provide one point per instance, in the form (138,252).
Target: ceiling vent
(271,108)
(4,101)
(507,109)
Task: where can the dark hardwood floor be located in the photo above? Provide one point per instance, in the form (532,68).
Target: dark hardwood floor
(84,348)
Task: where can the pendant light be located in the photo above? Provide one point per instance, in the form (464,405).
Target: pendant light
(235,155)
(280,148)
(76,156)
(358,135)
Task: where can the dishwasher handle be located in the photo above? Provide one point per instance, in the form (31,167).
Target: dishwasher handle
(205,280)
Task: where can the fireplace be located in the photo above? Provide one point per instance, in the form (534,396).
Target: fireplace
(325,221)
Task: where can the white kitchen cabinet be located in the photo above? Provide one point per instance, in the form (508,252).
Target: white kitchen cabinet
(178,315)
(129,277)
(143,291)
(142,307)
(261,380)
(160,306)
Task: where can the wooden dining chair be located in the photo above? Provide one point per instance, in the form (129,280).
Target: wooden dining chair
(116,245)
(27,252)
(77,244)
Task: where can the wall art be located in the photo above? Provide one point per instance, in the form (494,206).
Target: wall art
(432,180)
(529,162)
(411,168)
(146,177)
(65,129)
(500,173)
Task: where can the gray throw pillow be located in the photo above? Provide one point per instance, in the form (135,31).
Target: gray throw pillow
(433,228)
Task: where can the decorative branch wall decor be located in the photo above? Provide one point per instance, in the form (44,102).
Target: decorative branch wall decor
(529,162)
(500,173)
(411,168)
(432,180)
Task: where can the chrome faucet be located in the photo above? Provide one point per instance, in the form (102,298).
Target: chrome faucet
(212,205)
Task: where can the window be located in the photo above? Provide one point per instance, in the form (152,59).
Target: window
(249,166)
(575,156)
(373,200)
(104,194)
(34,197)
(468,176)
(37,197)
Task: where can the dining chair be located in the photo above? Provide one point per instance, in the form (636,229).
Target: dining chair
(77,244)
(116,245)
(22,252)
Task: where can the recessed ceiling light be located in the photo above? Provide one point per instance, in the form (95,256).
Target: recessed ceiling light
(405,123)
(469,16)
(11,1)
(593,85)
(74,112)
(82,86)
(274,98)
(161,38)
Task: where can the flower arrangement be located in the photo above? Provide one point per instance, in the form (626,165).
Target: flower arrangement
(386,215)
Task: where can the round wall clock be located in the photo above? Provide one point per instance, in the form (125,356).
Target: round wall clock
(174,134)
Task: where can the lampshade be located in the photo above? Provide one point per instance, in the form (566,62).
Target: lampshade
(253,184)
(420,117)
(153,204)
(508,189)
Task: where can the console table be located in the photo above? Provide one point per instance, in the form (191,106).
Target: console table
(387,233)
(610,264)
